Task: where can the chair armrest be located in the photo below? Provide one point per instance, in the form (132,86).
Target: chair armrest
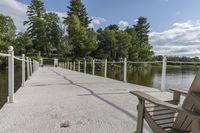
(177,94)
(146,97)
(181,91)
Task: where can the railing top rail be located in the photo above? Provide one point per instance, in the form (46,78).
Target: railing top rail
(144,62)
(182,62)
(17,58)
(4,55)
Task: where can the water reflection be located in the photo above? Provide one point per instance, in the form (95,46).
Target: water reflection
(176,77)
(4,81)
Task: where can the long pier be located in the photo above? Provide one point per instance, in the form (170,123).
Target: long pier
(56,100)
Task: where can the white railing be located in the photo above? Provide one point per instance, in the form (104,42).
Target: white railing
(72,66)
(32,66)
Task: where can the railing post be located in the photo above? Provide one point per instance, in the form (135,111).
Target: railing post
(31,68)
(74,66)
(79,66)
(70,65)
(56,62)
(41,63)
(125,69)
(28,68)
(105,68)
(85,66)
(23,70)
(93,67)
(164,68)
(67,64)
(11,75)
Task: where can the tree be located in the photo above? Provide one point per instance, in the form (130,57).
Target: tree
(82,40)
(23,44)
(106,44)
(36,25)
(142,29)
(7,31)
(54,33)
(134,44)
(77,8)
(143,48)
(123,44)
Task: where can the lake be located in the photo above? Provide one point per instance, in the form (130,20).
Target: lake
(177,77)
(4,82)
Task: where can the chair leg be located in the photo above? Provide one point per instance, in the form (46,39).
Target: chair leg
(196,126)
(140,119)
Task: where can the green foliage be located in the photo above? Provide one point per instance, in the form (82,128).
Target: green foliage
(134,46)
(106,44)
(23,44)
(37,25)
(77,8)
(142,29)
(7,31)
(45,35)
(123,44)
(54,34)
(82,40)
(143,46)
(44,30)
(177,58)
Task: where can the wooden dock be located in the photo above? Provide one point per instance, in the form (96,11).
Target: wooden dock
(54,97)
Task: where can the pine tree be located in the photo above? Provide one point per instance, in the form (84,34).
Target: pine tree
(37,25)
(142,29)
(143,46)
(54,32)
(7,31)
(81,39)
(77,8)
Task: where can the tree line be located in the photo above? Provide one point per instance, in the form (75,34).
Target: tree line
(48,36)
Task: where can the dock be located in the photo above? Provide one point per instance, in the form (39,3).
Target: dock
(86,103)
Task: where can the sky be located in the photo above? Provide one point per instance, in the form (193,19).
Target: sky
(175,24)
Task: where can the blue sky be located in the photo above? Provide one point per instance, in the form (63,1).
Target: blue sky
(175,24)
(160,13)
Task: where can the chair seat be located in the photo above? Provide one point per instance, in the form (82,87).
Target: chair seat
(162,117)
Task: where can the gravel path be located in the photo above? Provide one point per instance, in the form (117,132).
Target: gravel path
(62,101)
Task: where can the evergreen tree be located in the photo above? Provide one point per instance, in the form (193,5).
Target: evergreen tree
(23,44)
(143,47)
(37,25)
(82,40)
(123,44)
(77,8)
(54,33)
(107,43)
(7,31)
(142,29)
(134,44)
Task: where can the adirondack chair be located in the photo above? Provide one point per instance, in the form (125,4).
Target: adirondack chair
(170,116)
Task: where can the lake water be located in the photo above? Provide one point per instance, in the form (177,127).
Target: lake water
(4,82)
(146,76)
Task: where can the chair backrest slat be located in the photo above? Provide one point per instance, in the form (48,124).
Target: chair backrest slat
(183,122)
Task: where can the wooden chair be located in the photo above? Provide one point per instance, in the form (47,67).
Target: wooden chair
(170,116)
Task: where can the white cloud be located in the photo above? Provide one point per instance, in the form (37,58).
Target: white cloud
(16,10)
(123,24)
(183,39)
(96,21)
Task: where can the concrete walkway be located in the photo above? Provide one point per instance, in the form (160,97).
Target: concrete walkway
(90,104)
